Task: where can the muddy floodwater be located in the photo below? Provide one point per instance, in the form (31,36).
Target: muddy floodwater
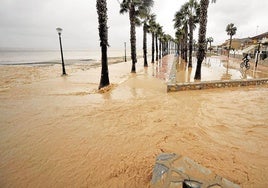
(60,132)
(219,68)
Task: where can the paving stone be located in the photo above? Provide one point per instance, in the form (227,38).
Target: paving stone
(172,170)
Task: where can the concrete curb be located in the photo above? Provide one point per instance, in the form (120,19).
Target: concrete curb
(214,84)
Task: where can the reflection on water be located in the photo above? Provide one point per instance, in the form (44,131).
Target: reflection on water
(160,68)
(226,75)
(183,72)
(216,69)
(244,74)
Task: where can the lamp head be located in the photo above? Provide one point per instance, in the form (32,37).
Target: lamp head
(59,30)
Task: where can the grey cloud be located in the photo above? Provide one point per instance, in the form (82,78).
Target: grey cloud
(32,23)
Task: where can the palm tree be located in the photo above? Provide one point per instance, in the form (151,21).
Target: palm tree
(145,30)
(179,37)
(179,33)
(165,45)
(160,37)
(146,17)
(103,33)
(210,40)
(152,26)
(133,7)
(169,39)
(193,13)
(181,23)
(231,30)
(158,30)
(186,18)
(202,36)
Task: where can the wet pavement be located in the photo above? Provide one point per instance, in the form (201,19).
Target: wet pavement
(216,70)
(172,170)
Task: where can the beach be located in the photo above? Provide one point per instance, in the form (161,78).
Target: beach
(60,131)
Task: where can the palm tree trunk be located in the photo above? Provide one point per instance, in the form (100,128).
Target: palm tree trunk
(160,48)
(163,47)
(202,37)
(190,41)
(178,48)
(168,49)
(104,81)
(152,47)
(230,44)
(182,49)
(103,33)
(145,45)
(133,38)
(185,44)
(156,47)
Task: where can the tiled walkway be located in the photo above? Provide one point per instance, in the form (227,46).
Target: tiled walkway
(172,170)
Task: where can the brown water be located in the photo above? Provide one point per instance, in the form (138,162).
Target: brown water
(215,68)
(59,132)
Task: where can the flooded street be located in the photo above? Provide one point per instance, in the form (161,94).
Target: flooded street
(215,68)
(60,132)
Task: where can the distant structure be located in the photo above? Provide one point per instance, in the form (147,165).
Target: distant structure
(248,45)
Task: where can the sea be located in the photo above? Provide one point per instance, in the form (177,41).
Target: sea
(30,56)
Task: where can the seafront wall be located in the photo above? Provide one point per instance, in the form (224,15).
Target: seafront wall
(214,84)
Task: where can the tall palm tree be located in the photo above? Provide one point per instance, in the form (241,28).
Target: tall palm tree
(231,30)
(185,27)
(145,30)
(181,23)
(202,36)
(165,45)
(169,39)
(103,33)
(152,28)
(160,38)
(193,10)
(133,7)
(179,37)
(179,32)
(158,30)
(146,16)
(187,18)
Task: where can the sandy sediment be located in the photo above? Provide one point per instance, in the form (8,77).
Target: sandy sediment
(60,132)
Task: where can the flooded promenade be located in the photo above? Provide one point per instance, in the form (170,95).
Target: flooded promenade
(217,72)
(61,132)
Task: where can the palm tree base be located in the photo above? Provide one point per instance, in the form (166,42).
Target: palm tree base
(133,68)
(102,86)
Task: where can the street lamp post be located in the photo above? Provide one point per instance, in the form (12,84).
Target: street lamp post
(242,46)
(59,30)
(125,53)
(257,54)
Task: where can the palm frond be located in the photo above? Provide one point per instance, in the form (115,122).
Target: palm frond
(138,22)
(124,7)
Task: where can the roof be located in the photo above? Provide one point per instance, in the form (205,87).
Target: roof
(260,36)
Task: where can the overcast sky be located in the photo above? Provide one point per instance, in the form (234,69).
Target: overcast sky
(32,23)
